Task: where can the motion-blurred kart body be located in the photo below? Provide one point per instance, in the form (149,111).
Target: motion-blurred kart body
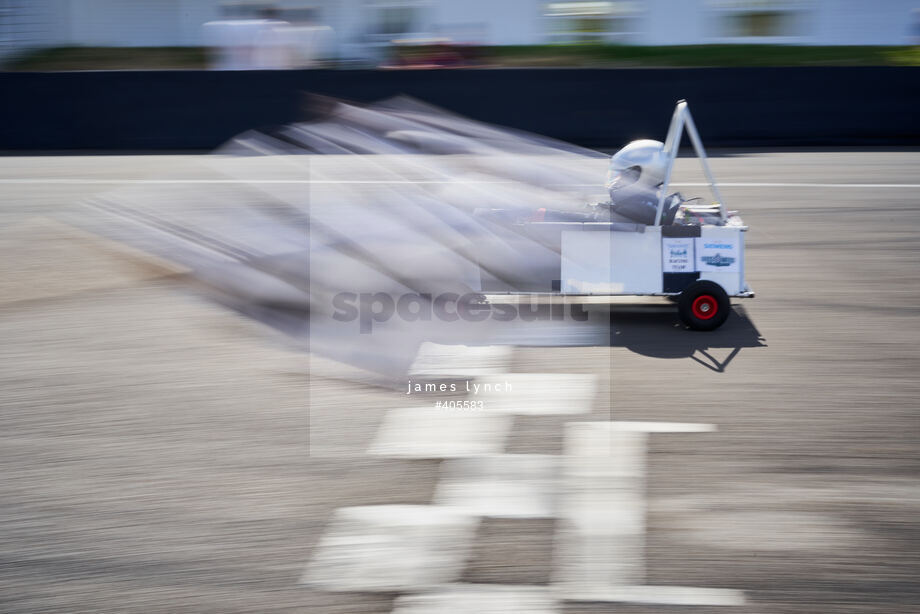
(347,231)
(694,254)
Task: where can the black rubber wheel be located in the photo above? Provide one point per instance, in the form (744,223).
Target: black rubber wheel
(704,306)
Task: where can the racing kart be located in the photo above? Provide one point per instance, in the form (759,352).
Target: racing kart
(692,254)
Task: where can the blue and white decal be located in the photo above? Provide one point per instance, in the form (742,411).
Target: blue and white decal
(677,255)
(717,254)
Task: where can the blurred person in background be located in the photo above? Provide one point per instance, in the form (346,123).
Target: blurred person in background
(266,43)
(228,42)
(310,42)
(273,48)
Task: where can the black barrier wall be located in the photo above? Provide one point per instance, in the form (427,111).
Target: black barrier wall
(157,110)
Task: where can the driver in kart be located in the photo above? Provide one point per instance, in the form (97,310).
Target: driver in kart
(634,178)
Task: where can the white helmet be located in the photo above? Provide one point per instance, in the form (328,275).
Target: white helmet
(643,163)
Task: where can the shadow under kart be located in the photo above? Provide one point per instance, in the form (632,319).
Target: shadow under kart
(645,330)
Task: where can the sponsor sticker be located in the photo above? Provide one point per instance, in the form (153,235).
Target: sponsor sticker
(677,255)
(717,254)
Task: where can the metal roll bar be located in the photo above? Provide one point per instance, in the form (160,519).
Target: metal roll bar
(679,119)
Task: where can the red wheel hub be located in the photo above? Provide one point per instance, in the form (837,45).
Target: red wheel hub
(704,307)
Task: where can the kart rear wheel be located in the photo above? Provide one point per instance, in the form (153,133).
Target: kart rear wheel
(704,306)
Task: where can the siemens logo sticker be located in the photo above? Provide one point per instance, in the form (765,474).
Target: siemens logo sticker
(718,260)
(717,255)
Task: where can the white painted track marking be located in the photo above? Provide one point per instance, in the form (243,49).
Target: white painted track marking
(638,426)
(429,432)
(479,599)
(501,486)
(754,184)
(602,534)
(391,548)
(600,554)
(668,595)
(597,489)
(535,393)
(89,181)
(436,360)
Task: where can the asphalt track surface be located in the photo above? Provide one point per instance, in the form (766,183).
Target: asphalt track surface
(154,447)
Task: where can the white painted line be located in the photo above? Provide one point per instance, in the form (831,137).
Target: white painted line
(429,432)
(89,181)
(666,595)
(535,393)
(765,184)
(391,548)
(501,486)
(436,360)
(600,554)
(769,184)
(115,181)
(658,427)
(601,538)
(480,599)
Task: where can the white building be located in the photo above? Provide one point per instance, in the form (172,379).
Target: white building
(359,25)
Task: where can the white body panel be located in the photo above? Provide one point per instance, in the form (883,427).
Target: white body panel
(597,262)
(607,263)
(724,244)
